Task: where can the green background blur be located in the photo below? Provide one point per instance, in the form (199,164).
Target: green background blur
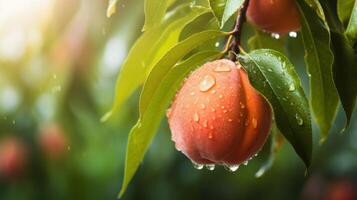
(59,60)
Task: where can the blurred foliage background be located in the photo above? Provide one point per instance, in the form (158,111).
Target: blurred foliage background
(59,60)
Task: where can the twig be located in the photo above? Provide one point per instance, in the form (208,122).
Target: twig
(237,31)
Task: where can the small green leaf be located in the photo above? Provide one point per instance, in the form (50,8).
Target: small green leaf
(315,5)
(231,7)
(217,7)
(344,10)
(160,97)
(271,73)
(147,50)
(111,7)
(263,40)
(345,73)
(319,60)
(351,30)
(154,12)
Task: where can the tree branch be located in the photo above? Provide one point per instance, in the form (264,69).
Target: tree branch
(237,31)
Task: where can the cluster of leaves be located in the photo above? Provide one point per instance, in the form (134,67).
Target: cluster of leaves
(179,36)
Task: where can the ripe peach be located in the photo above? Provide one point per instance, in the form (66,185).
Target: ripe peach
(276,16)
(217,117)
(12,157)
(52,141)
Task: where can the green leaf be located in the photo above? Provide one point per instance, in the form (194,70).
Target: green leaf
(217,7)
(344,10)
(319,59)
(231,7)
(345,73)
(351,30)
(147,50)
(271,73)
(111,7)
(160,97)
(315,4)
(263,40)
(171,57)
(201,23)
(154,12)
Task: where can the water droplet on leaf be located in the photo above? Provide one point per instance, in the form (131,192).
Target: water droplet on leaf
(291,87)
(299,120)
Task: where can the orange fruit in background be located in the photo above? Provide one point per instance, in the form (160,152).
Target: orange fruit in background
(275,16)
(217,117)
(52,141)
(12,157)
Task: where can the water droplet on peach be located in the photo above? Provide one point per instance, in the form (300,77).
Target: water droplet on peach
(254,122)
(222,68)
(196,117)
(207,83)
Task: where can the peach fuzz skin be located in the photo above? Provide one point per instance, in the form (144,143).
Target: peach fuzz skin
(226,122)
(275,16)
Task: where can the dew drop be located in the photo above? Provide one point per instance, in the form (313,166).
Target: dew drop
(230,120)
(299,120)
(254,122)
(222,107)
(293,34)
(224,111)
(210,135)
(245,163)
(197,166)
(196,117)
(213,109)
(242,105)
(211,127)
(207,83)
(204,123)
(222,68)
(275,35)
(203,106)
(270,70)
(284,65)
(213,91)
(231,168)
(291,87)
(210,167)
(192,93)
(220,96)
(216,44)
